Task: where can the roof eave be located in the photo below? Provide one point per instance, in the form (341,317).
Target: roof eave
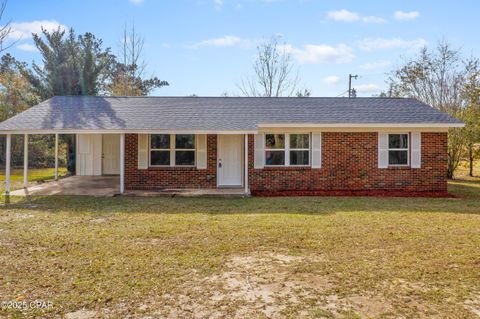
(361,125)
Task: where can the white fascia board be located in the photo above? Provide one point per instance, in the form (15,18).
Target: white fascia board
(361,125)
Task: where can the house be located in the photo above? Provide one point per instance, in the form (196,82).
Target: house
(265,146)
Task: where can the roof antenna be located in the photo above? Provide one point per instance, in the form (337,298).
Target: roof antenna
(351,92)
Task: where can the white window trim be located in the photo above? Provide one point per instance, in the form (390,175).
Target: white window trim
(301,149)
(399,149)
(284,149)
(287,150)
(172,151)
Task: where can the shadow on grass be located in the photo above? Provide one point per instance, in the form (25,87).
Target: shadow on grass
(468,201)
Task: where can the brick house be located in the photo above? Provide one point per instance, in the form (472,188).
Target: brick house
(265,146)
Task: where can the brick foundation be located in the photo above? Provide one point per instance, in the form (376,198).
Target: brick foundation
(349,167)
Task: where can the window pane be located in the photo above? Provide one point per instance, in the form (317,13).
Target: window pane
(299,141)
(275,158)
(398,141)
(185,141)
(185,158)
(160,158)
(275,141)
(299,157)
(398,157)
(160,141)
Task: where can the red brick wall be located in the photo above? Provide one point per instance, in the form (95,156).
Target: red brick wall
(169,177)
(349,163)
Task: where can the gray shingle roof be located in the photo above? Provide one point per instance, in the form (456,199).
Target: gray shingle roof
(217,113)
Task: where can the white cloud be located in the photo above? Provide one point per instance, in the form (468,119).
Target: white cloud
(136,2)
(373,19)
(225,41)
(367,88)
(343,16)
(331,80)
(24,30)
(320,53)
(349,16)
(27,47)
(405,16)
(369,44)
(218,4)
(376,65)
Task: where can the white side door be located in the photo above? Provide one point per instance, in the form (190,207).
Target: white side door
(230,160)
(89,154)
(111,154)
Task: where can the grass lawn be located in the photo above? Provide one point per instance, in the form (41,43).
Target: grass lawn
(34,175)
(311,257)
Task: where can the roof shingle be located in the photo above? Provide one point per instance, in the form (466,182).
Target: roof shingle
(217,113)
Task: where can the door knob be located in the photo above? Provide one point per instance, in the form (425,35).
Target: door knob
(220,164)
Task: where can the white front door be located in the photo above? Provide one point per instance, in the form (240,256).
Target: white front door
(230,160)
(111,154)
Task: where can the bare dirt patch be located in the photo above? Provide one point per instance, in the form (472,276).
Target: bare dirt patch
(473,304)
(10,216)
(267,285)
(259,285)
(81,314)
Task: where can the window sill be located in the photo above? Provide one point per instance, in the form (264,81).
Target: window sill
(172,168)
(399,167)
(288,168)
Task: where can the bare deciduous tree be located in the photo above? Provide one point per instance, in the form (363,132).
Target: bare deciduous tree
(128,76)
(438,77)
(274,72)
(132,51)
(5,29)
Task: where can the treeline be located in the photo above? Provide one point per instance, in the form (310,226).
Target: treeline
(446,79)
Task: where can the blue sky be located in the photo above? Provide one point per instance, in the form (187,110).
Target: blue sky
(205,47)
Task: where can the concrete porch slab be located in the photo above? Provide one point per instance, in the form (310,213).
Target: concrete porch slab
(109,186)
(102,186)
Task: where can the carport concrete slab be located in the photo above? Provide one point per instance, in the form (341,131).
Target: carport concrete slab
(75,185)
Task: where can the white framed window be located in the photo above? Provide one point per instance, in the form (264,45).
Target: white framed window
(160,145)
(172,150)
(275,149)
(287,149)
(299,149)
(398,149)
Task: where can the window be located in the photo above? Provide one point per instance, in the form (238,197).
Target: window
(160,150)
(275,149)
(299,149)
(287,149)
(172,150)
(398,149)
(185,149)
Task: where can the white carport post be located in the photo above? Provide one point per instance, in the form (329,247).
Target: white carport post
(246,164)
(56,156)
(7,164)
(122,163)
(25,160)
